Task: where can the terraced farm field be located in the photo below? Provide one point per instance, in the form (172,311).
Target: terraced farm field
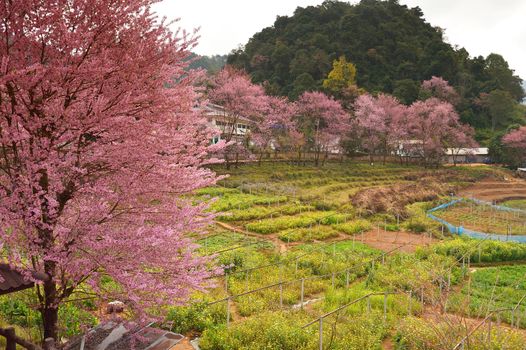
(484,218)
(342,255)
(299,243)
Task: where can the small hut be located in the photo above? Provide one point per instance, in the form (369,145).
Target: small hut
(13,280)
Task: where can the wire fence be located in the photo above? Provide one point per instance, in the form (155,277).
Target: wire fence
(461,230)
(341,275)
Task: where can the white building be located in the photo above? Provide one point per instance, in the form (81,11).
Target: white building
(227,124)
(467,155)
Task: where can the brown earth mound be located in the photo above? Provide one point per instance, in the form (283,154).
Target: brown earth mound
(393,199)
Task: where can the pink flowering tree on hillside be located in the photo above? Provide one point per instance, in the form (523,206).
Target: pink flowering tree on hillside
(323,122)
(243,102)
(432,124)
(379,123)
(272,132)
(515,141)
(461,141)
(98,143)
(439,88)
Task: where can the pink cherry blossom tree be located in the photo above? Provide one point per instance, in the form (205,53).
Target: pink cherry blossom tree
(271,133)
(461,140)
(98,142)
(439,88)
(379,123)
(515,141)
(243,102)
(323,122)
(432,124)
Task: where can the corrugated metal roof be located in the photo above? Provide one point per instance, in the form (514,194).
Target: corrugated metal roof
(115,336)
(12,280)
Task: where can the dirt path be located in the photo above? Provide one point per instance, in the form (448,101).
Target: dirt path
(496,190)
(183,345)
(379,239)
(388,344)
(277,242)
(435,315)
(386,241)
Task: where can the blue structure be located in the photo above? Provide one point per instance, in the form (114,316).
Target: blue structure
(459,230)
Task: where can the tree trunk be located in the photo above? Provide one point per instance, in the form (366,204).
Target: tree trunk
(49,303)
(50,320)
(237,160)
(260,158)
(227,162)
(325,156)
(316,157)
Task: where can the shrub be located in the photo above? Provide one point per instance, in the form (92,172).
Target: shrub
(416,334)
(274,225)
(392,227)
(354,226)
(318,233)
(478,251)
(267,331)
(195,317)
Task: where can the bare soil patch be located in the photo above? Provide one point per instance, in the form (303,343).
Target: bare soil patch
(387,241)
(496,190)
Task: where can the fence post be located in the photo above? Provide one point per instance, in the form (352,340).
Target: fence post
(302,291)
(409,296)
(246,280)
(227,312)
(296,271)
(281,294)
(385,306)
(10,338)
(369,304)
(226,281)
(347,280)
(333,280)
(489,332)
(321,333)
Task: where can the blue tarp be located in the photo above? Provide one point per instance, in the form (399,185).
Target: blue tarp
(459,230)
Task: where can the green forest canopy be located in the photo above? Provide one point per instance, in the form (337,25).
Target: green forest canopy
(393,48)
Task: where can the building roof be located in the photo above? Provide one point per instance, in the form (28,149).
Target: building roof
(477,151)
(522,170)
(115,336)
(12,280)
(213,110)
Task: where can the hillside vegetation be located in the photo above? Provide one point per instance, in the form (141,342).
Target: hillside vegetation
(393,49)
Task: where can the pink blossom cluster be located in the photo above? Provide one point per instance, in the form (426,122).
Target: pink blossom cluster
(99,142)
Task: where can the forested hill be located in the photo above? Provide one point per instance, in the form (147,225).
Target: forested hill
(393,48)
(212,64)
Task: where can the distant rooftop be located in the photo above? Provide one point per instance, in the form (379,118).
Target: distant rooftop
(478,151)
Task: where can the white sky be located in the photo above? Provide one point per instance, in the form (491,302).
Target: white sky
(481,26)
